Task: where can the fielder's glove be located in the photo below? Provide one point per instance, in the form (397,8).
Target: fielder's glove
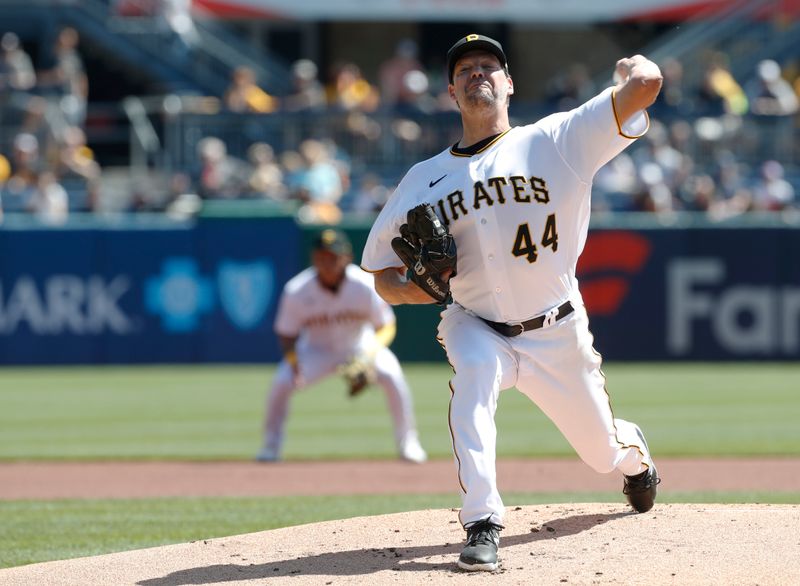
(427,248)
(358,373)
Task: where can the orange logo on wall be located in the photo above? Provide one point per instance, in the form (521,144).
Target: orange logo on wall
(608,262)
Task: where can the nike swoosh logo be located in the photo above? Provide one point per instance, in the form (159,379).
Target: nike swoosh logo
(432,183)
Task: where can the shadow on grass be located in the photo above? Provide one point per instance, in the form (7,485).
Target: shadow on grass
(357,562)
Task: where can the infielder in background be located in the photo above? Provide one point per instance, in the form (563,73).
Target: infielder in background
(515,204)
(330,320)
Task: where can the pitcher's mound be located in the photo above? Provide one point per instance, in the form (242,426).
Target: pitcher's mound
(541,544)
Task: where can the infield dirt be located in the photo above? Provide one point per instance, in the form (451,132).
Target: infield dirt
(53,480)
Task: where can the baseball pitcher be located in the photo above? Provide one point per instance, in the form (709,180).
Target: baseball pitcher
(491,229)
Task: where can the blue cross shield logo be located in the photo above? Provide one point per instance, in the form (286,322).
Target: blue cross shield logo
(180,295)
(245,291)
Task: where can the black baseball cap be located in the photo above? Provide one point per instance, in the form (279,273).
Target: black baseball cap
(333,241)
(474,43)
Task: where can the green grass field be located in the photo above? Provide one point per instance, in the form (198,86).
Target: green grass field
(214,413)
(203,412)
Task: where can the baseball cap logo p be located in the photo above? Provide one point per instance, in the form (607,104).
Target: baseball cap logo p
(472,38)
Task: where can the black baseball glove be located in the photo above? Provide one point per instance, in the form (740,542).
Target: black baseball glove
(428,250)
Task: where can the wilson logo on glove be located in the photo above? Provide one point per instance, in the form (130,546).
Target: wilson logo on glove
(435,287)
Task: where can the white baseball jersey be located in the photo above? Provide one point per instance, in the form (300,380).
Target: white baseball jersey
(331,329)
(338,324)
(518,209)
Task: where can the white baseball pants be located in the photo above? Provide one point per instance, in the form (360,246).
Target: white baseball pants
(556,368)
(315,366)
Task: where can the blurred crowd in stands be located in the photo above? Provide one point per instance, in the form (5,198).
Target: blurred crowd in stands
(721,146)
(46,160)
(403,86)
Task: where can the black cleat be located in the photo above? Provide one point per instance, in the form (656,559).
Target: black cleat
(641,489)
(480,552)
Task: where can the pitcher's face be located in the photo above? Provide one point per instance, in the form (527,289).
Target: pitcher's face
(480,81)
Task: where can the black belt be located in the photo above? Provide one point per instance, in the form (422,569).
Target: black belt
(511,330)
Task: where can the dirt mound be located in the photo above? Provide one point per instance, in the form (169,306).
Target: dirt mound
(542,544)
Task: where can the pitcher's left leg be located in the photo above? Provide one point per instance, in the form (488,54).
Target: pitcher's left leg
(564,378)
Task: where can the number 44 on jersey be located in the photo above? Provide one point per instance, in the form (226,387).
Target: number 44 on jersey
(524,244)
